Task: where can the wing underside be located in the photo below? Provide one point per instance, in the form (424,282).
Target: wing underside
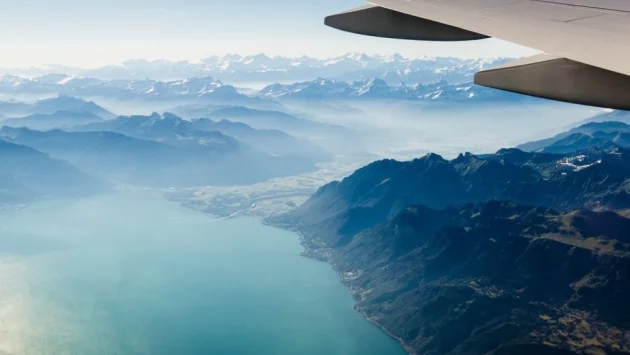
(587,41)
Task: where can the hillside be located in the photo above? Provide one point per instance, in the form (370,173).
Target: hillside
(434,255)
(199,161)
(270,141)
(27,174)
(492,278)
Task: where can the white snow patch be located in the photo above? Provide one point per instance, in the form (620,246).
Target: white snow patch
(571,162)
(65,81)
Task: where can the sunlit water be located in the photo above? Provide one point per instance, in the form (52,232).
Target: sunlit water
(135,274)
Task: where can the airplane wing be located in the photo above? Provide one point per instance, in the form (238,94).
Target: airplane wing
(586,43)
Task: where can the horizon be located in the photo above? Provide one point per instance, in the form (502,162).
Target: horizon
(241,56)
(67,32)
(98,55)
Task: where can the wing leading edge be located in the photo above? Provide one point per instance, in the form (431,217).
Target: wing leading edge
(588,46)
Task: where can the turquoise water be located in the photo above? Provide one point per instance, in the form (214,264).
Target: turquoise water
(135,274)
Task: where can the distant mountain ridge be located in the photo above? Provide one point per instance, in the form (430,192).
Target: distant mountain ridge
(612,116)
(603,135)
(164,151)
(270,141)
(207,90)
(200,89)
(27,174)
(323,89)
(59,119)
(326,135)
(52,106)
(171,129)
(350,66)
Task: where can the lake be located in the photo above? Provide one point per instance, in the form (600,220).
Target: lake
(132,273)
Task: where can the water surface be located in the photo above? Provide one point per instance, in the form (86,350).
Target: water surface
(135,274)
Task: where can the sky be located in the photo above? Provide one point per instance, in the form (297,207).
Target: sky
(91,33)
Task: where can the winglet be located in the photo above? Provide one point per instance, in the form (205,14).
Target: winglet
(381,22)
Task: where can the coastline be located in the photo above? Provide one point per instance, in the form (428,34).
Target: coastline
(324,255)
(311,253)
(406,347)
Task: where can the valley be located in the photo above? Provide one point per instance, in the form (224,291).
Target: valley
(269,198)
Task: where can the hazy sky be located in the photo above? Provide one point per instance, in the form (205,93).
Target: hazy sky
(98,32)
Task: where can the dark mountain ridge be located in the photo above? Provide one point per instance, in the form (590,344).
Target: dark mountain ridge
(435,256)
(382,189)
(492,278)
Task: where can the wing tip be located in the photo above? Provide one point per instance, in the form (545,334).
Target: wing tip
(378,21)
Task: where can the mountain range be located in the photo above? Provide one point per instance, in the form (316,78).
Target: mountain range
(382,189)
(167,151)
(209,91)
(604,135)
(199,90)
(58,112)
(65,112)
(261,68)
(508,253)
(224,134)
(270,141)
(264,119)
(378,89)
(611,116)
(49,106)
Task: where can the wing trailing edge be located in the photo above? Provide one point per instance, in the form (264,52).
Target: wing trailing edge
(560,79)
(381,22)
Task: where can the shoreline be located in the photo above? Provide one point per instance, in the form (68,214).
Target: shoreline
(406,347)
(311,254)
(402,343)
